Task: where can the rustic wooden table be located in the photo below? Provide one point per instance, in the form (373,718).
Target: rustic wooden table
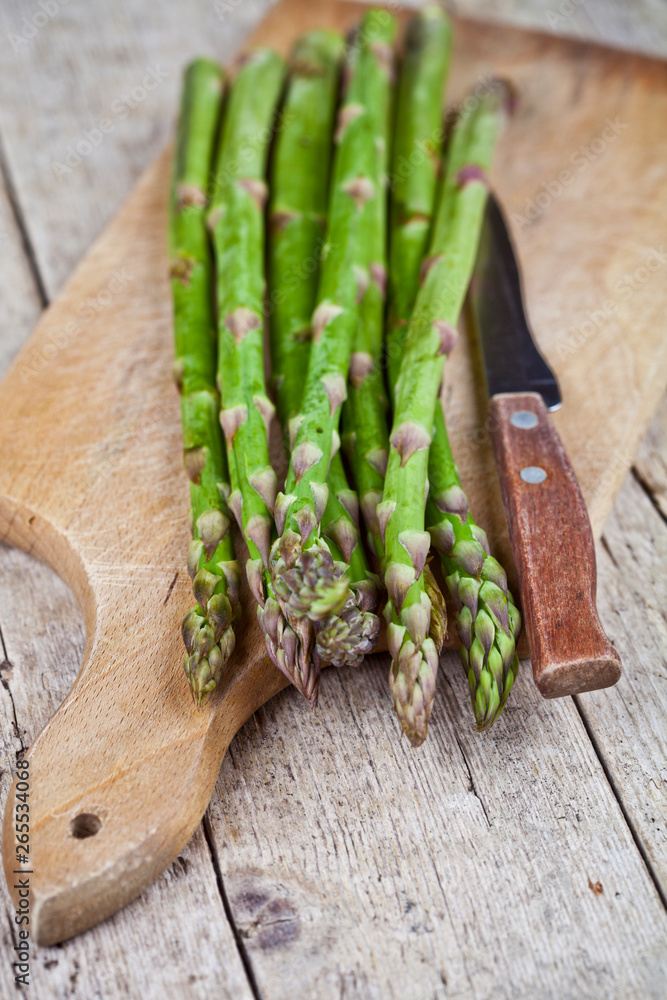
(334,861)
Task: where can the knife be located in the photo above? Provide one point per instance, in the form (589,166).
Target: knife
(550,532)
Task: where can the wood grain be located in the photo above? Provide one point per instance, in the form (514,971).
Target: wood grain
(553,549)
(641,26)
(628,723)
(182,911)
(64,82)
(129,714)
(357,867)
(180,918)
(124,446)
(364,976)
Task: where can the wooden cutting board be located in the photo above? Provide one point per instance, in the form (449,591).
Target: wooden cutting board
(91,479)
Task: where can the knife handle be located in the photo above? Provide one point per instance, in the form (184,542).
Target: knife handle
(553,548)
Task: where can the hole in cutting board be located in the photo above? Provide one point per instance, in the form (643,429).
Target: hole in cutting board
(85,825)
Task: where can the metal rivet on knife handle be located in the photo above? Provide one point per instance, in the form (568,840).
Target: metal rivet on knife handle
(524,420)
(533,474)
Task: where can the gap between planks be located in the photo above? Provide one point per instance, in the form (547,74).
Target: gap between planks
(641,482)
(6,663)
(634,833)
(21,224)
(220,882)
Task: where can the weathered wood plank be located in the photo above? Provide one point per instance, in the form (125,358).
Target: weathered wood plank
(357,866)
(628,722)
(641,26)
(92,67)
(21,304)
(175,940)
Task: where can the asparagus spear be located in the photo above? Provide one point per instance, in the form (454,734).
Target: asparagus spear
(303,569)
(366,435)
(298,208)
(415,166)
(365,432)
(487,620)
(344,639)
(491,672)
(207,628)
(236,219)
(431,335)
(299,184)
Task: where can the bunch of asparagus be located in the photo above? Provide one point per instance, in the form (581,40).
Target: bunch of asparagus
(363,202)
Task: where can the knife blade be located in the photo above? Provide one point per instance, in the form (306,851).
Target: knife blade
(549,528)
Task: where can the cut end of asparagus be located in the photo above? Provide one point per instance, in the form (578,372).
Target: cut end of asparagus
(315,52)
(498,96)
(505,93)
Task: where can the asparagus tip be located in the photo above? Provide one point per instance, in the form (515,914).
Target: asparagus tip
(308,583)
(345,639)
(205,661)
(488,700)
(412,681)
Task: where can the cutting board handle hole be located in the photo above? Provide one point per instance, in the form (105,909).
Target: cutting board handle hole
(85,825)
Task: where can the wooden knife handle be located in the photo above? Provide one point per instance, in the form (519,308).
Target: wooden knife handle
(553,550)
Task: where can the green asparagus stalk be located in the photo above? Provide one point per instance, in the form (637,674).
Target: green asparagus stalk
(366,435)
(344,639)
(207,628)
(415,166)
(236,220)
(365,431)
(431,335)
(303,568)
(491,671)
(299,187)
(487,620)
(297,212)
(298,208)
